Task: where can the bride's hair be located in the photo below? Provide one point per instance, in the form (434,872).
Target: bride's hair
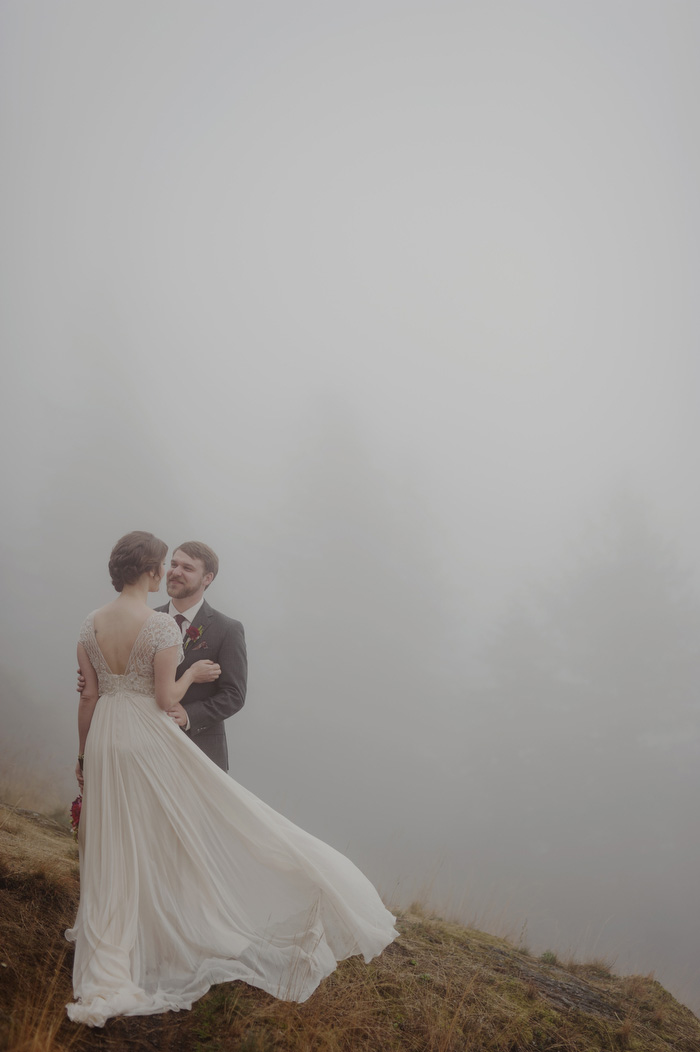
(134,554)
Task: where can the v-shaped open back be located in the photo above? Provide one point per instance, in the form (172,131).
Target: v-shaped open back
(131,651)
(157,631)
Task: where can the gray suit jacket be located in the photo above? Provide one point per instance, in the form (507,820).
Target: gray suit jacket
(209,704)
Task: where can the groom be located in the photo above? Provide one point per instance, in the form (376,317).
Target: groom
(208,635)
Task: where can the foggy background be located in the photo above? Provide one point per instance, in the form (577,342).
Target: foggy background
(395,305)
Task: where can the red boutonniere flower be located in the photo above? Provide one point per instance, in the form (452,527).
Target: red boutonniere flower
(75,809)
(192,633)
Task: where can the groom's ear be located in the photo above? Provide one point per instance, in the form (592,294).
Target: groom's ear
(208,578)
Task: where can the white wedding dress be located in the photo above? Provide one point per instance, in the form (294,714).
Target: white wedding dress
(186,878)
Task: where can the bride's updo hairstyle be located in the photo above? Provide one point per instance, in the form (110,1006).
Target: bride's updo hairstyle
(135,554)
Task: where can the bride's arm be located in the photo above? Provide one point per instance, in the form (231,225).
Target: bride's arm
(170,691)
(88,697)
(86,706)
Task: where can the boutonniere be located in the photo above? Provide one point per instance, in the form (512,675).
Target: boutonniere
(192,633)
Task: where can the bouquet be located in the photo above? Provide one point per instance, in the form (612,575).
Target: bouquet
(75,809)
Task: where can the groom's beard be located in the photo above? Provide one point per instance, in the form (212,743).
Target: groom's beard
(180,590)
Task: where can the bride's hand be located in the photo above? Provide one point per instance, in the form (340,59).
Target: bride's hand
(205,671)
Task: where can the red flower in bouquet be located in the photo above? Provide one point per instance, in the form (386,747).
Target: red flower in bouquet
(75,809)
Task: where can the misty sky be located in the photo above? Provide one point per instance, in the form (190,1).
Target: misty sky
(394,305)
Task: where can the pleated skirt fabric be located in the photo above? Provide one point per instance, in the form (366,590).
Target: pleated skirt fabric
(187,879)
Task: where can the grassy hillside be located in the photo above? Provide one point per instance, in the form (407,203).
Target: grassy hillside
(439,988)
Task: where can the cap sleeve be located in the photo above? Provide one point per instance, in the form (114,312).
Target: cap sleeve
(86,634)
(87,639)
(166,634)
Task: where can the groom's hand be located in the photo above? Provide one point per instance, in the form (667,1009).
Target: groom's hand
(179,714)
(81,682)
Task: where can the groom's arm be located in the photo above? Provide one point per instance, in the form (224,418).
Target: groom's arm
(230,686)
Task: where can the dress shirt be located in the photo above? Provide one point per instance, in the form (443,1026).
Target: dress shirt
(189,615)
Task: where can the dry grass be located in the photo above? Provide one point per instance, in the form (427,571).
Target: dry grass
(38,889)
(37,847)
(440,988)
(38,1016)
(598,966)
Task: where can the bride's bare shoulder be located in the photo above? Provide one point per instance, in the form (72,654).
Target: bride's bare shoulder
(105,614)
(122,619)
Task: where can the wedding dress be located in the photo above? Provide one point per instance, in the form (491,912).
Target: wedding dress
(186,878)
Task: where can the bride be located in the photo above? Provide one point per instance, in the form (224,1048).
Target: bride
(186,878)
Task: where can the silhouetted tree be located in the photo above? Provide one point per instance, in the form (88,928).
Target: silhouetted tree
(594,685)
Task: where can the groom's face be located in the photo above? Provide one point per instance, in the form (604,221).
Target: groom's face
(187,577)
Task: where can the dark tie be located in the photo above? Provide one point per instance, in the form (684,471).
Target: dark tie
(180,618)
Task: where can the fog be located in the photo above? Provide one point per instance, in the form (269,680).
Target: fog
(394,305)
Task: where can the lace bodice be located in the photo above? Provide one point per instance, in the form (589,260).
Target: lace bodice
(157,632)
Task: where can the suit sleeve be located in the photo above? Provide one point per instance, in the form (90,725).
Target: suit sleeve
(231,684)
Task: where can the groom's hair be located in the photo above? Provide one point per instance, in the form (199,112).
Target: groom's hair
(198,550)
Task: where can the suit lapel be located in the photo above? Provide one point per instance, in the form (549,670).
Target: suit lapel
(204,618)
